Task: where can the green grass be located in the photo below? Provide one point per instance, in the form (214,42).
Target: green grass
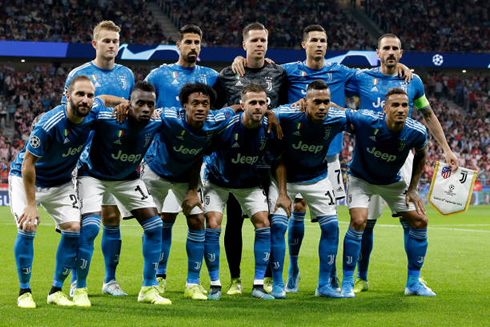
(457,268)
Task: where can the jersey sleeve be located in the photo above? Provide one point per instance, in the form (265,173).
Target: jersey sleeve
(219,118)
(421,138)
(352,86)
(151,77)
(348,73)
(420,100)
(220,91)
(39,141)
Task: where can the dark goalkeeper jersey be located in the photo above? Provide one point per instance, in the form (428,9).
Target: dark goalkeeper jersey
(273,77)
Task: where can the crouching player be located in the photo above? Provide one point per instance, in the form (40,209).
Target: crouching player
(41,172)
(111,167)
(383,142)
(307,138)
(233,168)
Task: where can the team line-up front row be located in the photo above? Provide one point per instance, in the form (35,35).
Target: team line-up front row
(169,144)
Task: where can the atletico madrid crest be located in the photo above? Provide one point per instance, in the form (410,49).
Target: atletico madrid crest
(446,172)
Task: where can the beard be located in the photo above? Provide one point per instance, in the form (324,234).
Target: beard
(189,59)
(81,110)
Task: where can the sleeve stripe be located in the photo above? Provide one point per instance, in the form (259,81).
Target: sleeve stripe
(53,121)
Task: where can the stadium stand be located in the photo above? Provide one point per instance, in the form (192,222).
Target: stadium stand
(73,21)
(435,26)
(222,21)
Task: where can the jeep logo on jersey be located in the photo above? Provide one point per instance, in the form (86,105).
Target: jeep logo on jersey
(383,156)
(249,160)
(131,158)
(185,150)
(72,151)
(379,104)
(307,148)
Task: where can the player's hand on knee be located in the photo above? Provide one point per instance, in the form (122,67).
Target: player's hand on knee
(29,219)
(191,200)
(238,66)
(413,196)
(283,201)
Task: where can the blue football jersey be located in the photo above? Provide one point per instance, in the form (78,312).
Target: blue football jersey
(306,144)
(177,148)
(238,152)
(379,153)
(169,79)
(372,85)
(118,81)
(117,149)
(334,74)
(58,143)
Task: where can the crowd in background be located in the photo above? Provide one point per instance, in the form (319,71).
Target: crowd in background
(435,25)
(462,104)
(74,21)
(222,21)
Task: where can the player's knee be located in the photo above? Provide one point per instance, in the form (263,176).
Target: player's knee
(299,205)
(111,216)
(420,223)
(73,226)
(196,222)
(358,223)
(261,220)
(168,217)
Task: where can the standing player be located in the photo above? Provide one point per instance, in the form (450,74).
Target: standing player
(383,142)
(41,172)
(168,81)
(113,79)
(173,162)
(371,85)
(232,168)
(307,138)
(111,167)
(229,86)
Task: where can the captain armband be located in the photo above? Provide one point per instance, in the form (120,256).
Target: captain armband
(421,103)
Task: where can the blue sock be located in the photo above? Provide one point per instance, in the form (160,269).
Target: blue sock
(24,254)
(195,254)
(416,250)
(88,232)
(366,248)
(279,225)
(352,247)
(406,231)
(166,244)
(111,249)
(212,252)
(327,249)
(74,274)
(152,245)
(296,232)
(65,256)
(262,251)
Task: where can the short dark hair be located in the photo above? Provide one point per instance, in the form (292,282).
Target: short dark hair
(76,79)
(394,90)
(143,86)
(190,88)
(251,27)
(317,85)
(312,28)
(252,87)
(389,35)
(191,28)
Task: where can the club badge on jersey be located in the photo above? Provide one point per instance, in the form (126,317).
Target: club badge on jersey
(450,191)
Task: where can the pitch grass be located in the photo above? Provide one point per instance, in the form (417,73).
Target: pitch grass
(457,269)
